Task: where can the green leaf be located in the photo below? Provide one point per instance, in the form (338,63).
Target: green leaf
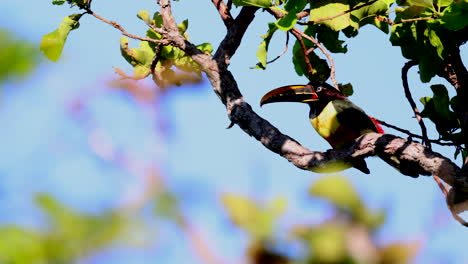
(346,89)
(206,48)
(437,109)
(435,41)
(19,245)
(368,15)
(18,57)
(329,10)
(399,252)
(262,52)
(257,3)
(58,2)
(52,43)
(444,3)
(292,8)
(413,38)
(183,26)
(422,3)
(321,70)
(287,22)
(455,16)
(144,15)
(328,242)
(330,39)
(140,58)
(338,191)
(248,215)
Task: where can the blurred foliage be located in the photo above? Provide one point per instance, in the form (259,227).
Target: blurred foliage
(346,237)
(18,57)
(68,236)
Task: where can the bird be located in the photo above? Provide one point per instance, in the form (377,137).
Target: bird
(333,116)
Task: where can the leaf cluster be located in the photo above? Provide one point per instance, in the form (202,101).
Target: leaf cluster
(70,235)
(326,242)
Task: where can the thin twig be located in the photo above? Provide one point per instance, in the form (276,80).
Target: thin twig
(304,51)
(390,22)
(417,114)
(409,97)
(409,133)
(124,32)
(282,52)
(324,51)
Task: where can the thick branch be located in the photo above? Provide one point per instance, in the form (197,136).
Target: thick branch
(224,12)
(455,73)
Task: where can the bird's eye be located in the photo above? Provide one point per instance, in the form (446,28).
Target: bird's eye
(319,89)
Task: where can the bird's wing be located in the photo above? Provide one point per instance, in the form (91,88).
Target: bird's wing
(353,118)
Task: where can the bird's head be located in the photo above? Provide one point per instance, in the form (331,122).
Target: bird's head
(312,92)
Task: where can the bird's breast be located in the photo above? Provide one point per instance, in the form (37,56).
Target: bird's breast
(328,125)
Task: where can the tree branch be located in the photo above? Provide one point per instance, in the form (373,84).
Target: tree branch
(409,97)
(412,135)
(224,12)
(124,32)
(305,52)
(455,72)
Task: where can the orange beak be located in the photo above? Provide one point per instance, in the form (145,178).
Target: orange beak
(290,93)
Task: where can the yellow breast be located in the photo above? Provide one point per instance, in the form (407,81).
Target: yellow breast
(326,123)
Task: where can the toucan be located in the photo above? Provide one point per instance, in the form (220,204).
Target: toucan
(333,115)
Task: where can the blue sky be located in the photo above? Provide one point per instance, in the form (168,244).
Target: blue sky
(201,157)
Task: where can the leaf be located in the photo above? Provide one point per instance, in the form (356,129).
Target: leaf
(140,58)
(206,48)
(17,57)
(20,245)
(321,70)
(257,3)
(422,3)
(183,26)
(444,3)
(438,111)
(346,89)
(413,38)
(330,10)
(292,8)
(52,43)
(248,215)
(435,41)
(144,15)
(262,52)
(399,252)
(328,242)
(455,15)
(58,2)
(329,38)
(338,191)
(368,15)
(378,8)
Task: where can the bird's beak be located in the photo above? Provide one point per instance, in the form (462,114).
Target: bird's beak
(290,93)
